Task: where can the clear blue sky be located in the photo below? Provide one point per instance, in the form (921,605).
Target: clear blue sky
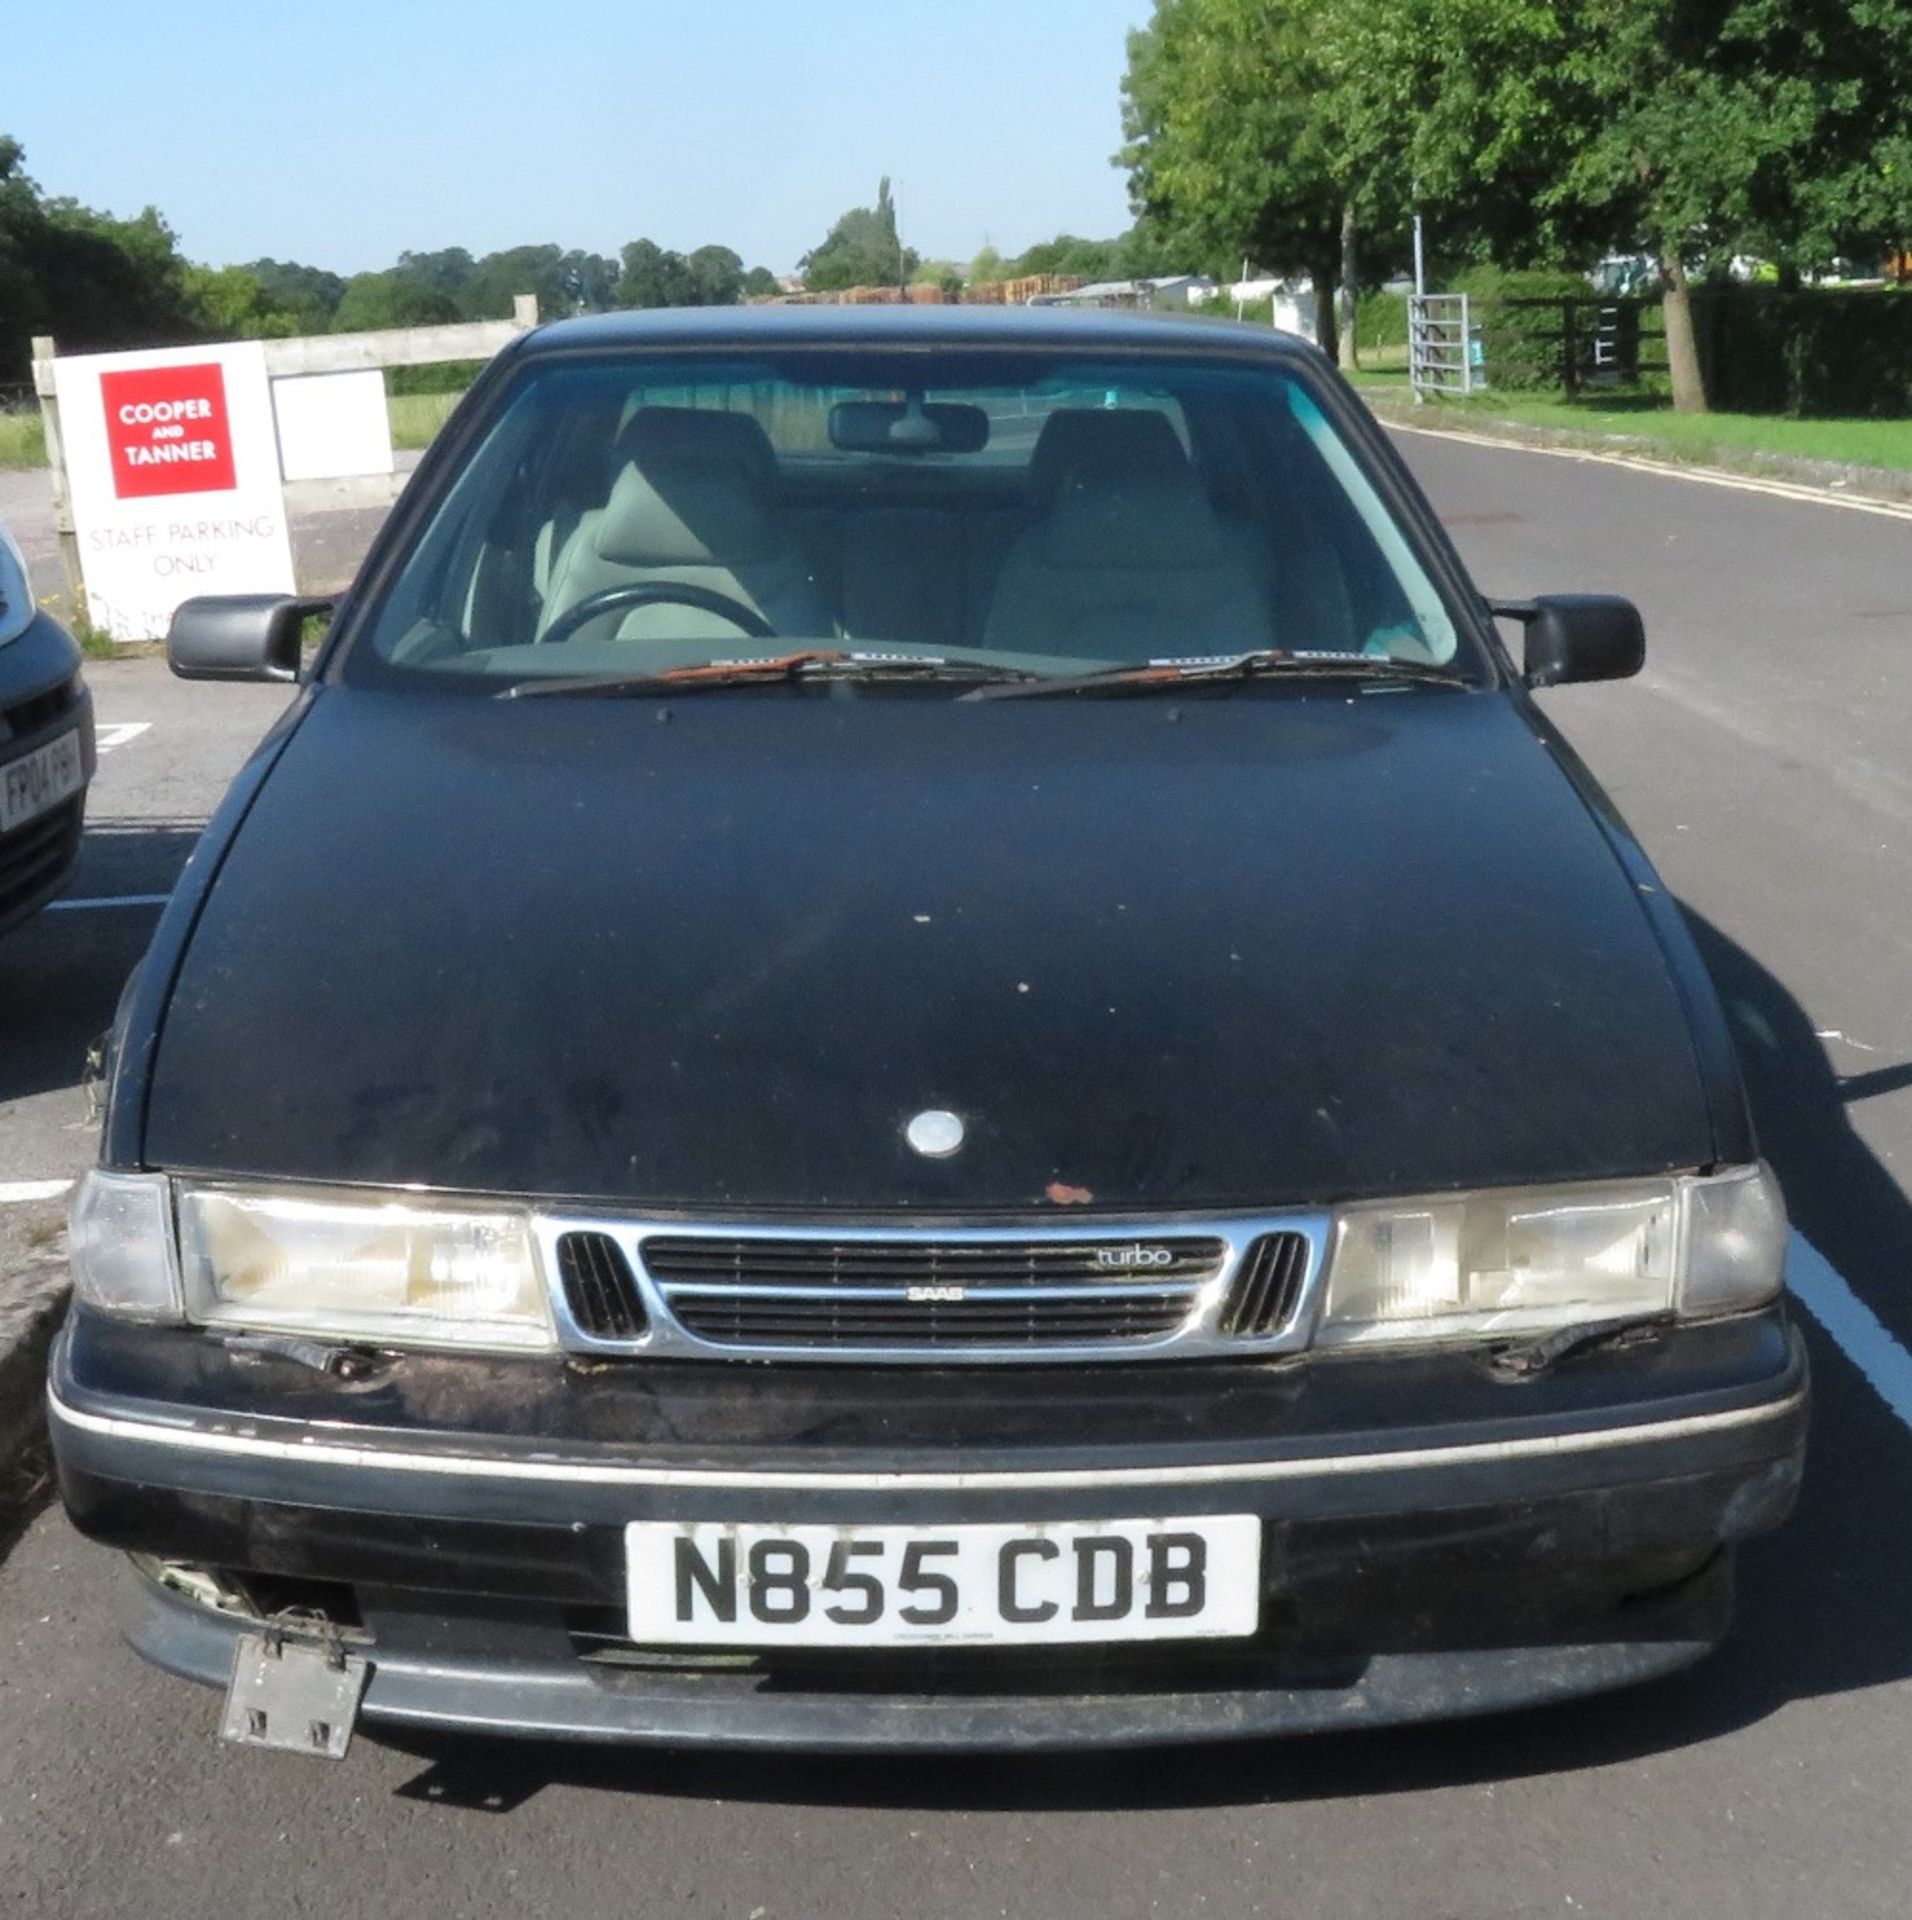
(341,133)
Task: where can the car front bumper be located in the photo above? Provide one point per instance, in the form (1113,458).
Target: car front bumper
(1436,1542)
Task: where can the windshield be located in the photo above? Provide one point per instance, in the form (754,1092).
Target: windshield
(1028,515)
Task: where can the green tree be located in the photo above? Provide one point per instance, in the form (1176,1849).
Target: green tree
(1449,105)
(652,276)
(93,281)
(588,280)
(863,249)
(1066,253)
(714,277)
(1706,128)
(760,283)
(1138,254)
(231,303)
(496,281)
(944,275)
(394,298)
(448,271)
(310,294)
(1536,131)
(1236,139)
(23,300)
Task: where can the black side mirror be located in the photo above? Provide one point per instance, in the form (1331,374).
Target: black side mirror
(239,636)
(1577,636)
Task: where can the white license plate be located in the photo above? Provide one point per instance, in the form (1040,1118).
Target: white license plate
(45,777)
(715,1584)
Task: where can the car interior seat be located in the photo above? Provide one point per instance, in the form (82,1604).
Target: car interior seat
(1126,558)
(693,504)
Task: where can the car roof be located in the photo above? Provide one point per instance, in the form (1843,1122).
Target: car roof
(1094,329)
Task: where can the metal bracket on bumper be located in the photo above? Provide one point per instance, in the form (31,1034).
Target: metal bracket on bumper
(295,1694)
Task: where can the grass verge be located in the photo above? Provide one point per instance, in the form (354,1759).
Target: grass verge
(416,417)
(95,642)
(22,444)
(1701,439)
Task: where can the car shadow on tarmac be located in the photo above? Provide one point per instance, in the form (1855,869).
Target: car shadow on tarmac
(62,972)
(1825,1605)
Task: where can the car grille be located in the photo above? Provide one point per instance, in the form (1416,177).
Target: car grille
(599,1287)
(33,857)
(770,1264)
(977,1294)
(763,1292)
(29,716)
(1267,1290)
(873,1320)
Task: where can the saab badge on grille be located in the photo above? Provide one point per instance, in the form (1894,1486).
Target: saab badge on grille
(935,1133)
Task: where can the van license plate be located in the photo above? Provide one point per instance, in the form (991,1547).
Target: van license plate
(716,1584)
(40,780)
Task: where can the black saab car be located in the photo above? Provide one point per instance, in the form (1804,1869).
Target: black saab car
(46,746)
(912,1041)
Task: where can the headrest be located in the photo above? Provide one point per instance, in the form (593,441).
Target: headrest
(699,433)
(1084,442)
(1157,521)
(694,512)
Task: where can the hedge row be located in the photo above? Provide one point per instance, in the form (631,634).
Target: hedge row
(1823,351)
(1520,345)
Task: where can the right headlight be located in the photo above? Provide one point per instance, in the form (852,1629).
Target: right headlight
(1520,1261)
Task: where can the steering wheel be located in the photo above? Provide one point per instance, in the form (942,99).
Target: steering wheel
(658,593)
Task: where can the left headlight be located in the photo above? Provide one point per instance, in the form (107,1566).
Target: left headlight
(395,1269)
(1526,1261)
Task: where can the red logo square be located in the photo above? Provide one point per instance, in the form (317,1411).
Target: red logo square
(168,432)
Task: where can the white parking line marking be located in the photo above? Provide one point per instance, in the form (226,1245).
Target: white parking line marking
(1645,463)
(115,900)
(1861,1335)
(118,732)
(16,1193)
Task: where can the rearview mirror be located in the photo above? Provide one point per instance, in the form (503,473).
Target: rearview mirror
(912,426)
(1577,636)
(239,636)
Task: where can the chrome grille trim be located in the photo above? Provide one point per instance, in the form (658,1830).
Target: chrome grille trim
(861,1252)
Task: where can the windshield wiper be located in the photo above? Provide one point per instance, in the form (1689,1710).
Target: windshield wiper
(811,664)
(1153,676)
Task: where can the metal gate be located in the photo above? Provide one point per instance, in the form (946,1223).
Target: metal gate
(1440,353)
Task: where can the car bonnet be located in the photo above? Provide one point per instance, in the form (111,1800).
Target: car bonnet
(1228,950)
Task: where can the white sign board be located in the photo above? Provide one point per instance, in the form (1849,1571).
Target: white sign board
(173,472)
(332,425)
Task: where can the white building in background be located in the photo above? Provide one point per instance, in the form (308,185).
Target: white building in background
(1292,299)
(1164,290)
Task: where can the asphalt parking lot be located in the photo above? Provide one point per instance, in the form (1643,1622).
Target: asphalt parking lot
(1763,760)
